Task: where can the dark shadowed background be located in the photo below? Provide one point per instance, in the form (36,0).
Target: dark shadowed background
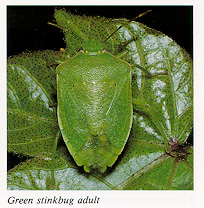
(28,28)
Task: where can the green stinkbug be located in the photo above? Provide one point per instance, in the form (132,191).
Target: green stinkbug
(94,105)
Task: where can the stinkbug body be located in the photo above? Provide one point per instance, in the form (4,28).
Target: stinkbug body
(94,106)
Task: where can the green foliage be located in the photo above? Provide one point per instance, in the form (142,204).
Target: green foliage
(156,156)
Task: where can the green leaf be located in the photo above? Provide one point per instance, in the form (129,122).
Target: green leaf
(170,96)
(142,166)
(156,156)
(32,123)
(79,29)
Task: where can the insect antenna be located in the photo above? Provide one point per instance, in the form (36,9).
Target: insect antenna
(55,25)
(133,19)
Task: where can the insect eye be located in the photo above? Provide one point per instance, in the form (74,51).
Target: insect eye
(62,49)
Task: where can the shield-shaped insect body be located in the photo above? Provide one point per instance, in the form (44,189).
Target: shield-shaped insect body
(94,106)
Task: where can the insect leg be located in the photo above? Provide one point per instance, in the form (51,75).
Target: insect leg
(123,51)
(148,74)
(152,113)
